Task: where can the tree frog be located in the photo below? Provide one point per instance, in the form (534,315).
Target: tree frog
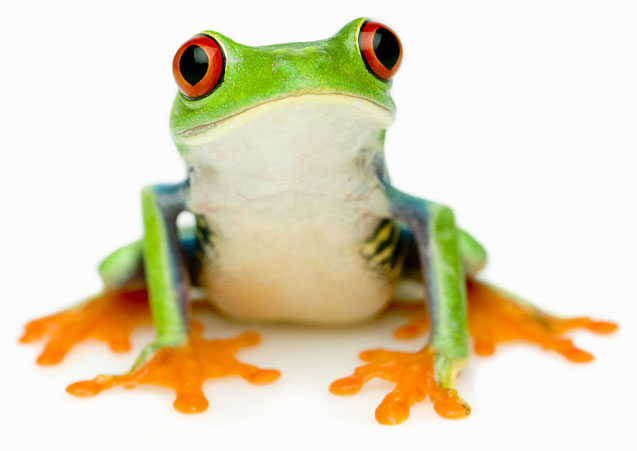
(296,221)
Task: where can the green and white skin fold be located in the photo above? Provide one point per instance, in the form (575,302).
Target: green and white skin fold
(294,206)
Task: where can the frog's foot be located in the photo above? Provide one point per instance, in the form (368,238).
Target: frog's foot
(110,317)
(185,369)
(413,373)
(497,317)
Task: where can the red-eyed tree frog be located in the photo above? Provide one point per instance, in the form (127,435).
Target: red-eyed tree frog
(296,221)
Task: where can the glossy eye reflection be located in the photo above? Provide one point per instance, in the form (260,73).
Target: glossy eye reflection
(198,67)
(381,49)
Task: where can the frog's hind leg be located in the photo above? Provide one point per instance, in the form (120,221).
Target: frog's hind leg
(110,316)
(497,316)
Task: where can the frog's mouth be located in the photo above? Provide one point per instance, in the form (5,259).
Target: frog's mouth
(301,110)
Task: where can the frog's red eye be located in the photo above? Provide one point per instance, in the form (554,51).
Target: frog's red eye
(198,66)
(381,49)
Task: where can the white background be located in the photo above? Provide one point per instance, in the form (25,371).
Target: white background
(520,115)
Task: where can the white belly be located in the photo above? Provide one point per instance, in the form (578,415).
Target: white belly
(309,272)
(289,192)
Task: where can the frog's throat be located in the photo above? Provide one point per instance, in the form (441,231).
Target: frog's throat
(205,133)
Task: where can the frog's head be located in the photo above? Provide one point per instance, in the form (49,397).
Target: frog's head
(223,85)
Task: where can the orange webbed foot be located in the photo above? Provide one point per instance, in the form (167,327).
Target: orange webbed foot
(495,318)
(110,317)
(413,373)
(185,369)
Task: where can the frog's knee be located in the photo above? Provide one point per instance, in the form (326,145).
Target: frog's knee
(474,256)
(122,267)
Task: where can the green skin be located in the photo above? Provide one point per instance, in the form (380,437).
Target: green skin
(257,75)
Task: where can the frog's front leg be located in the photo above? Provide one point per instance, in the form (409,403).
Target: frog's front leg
(432,371)
(179,357)
(166,275)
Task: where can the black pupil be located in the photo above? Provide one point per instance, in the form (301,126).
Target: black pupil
(193,64)
(386,47)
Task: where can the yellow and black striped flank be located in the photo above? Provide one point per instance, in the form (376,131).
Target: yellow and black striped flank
(205,237)
(386,249)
